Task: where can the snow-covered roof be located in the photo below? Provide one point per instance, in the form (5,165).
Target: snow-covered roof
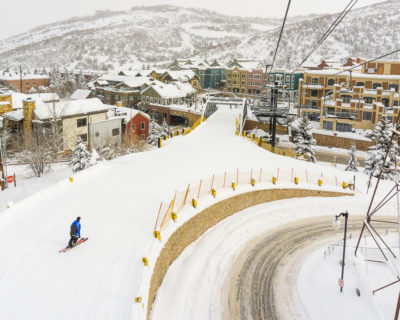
(6,75)
(45,97)
(181,75)
(4,103)
(167,91)
(126,113)
(139,82)
(16,115)
(69,108)
(80,94)
(185,87)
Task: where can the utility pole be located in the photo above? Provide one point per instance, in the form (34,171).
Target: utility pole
(2,177)
(20,79)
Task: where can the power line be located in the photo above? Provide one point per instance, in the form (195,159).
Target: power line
(280,34)
(364,63)
(333,26)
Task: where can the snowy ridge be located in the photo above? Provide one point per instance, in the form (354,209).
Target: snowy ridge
(159,34)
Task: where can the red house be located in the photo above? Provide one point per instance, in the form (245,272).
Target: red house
(134,122)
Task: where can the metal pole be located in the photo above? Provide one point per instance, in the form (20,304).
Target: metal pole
(346,215)
(396,317)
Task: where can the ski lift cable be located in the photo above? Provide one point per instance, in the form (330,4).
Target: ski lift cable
(333,26)
(280,34)
(364,63)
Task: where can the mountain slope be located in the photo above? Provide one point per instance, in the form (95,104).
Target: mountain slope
(159,34)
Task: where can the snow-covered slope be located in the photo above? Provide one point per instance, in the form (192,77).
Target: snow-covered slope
(118,202)
(158,34)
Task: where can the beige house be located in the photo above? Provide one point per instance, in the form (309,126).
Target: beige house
(74,117)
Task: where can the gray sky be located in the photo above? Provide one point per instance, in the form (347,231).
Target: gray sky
(21,15)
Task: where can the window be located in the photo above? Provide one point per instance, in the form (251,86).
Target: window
(116,97)
(327,125)
(142,137)
(147,99)
(130,98)
(331,82)
(393,86)
(142,126)
(346,99)
(82,122)
(314,81)
(287,79)
(360,84)
(377,85)
(133,127)
(97,134)
(151,99)
(344,127)
(314,104)
(390,119)
(369,100)
(115,132)
(107,96)
(367,116)
(84,137)
(314,93)
(396,103)
(385,102)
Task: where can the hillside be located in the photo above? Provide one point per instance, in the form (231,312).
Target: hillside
(158,34)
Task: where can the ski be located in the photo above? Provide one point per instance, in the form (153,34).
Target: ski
(80,241)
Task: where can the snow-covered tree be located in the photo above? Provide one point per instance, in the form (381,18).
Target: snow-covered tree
(376,154)
(81,157)
(94,157)
(154,133)
(352,162)
(164,129)
(304,140)
(82,81)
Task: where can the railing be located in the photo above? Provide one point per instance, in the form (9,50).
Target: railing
(169,210)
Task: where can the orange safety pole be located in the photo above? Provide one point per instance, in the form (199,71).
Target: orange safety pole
(159,210)
(187,191)
(224,179)
(198,193)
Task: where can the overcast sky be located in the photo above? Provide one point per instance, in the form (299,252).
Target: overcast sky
(21,15)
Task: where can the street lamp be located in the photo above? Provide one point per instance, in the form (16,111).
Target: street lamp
(336,225)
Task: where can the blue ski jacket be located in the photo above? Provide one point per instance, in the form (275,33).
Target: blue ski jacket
(76,226)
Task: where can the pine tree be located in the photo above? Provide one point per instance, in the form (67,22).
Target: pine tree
(304,140)
(352,162)
(154,133)
(382,136)
(165,129)
(81,157)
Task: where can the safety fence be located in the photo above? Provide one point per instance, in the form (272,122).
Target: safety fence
(169,210)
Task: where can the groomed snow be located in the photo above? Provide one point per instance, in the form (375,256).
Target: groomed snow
(118,202)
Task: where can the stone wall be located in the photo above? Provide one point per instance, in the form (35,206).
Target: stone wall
(251,124)
(341,142)
(191,230)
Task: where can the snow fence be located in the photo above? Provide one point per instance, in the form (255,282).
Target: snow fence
(170,210)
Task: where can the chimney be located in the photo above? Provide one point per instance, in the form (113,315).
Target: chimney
(28,106)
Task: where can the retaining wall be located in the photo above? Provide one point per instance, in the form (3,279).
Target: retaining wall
(196,226)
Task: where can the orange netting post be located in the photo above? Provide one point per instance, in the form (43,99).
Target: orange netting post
(198,192)
(158,216)
(224,179)
(186,194)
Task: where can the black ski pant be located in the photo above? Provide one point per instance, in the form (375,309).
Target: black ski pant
(72,241)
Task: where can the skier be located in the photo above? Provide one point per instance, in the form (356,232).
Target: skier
(75,232)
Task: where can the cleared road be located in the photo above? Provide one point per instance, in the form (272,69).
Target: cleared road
(261,280)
